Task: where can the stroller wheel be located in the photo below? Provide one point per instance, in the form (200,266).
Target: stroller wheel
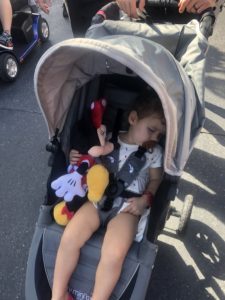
(65,12)
(43,30)
(185,214)
(9,67)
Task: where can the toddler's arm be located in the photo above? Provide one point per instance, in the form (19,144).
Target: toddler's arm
(137,205)
(155,179)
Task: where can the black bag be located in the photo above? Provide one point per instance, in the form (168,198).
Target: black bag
(22,27)
(18,4)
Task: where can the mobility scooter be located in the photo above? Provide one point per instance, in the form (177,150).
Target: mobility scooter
(28,29)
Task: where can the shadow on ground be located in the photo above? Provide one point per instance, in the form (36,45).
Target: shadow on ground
(180,281)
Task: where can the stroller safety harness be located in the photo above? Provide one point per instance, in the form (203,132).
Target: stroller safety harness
(120,180)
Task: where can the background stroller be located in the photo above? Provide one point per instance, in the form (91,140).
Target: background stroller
(118,59)
(28,29)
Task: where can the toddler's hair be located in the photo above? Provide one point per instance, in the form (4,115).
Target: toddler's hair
(148,103)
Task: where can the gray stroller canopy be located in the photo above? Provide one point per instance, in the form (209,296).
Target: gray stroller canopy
(169,58)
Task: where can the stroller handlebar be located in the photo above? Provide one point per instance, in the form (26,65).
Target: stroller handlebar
(162,3)
(111,11)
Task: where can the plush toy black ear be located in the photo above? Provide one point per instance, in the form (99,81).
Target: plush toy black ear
(84,135)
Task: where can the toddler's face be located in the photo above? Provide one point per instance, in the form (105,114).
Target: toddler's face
(148,129)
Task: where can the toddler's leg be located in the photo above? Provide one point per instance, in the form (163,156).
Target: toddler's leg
(80,228)
(119,236)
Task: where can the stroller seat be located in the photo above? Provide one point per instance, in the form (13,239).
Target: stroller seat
(139,261)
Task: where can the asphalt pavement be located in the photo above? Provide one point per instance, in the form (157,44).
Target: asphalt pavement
(187,267)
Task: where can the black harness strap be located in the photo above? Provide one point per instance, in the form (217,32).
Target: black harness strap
(132,166)
(120,180)
(116,127)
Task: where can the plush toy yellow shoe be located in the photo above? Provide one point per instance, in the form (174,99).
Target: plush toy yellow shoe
(97,181)
(61,214)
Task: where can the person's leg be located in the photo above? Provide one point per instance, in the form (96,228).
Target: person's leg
(6,15)
(81,13)
(84,223)
(119,236)
(6,21)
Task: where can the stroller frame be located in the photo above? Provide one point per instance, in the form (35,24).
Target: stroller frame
(116,64)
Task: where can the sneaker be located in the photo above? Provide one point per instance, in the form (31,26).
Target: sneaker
(6,41)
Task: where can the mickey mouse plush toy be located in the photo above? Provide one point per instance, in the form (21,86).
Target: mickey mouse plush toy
(86,175)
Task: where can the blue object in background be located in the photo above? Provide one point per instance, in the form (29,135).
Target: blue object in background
(28,29)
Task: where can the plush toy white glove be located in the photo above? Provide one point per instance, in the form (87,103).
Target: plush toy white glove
(68,186)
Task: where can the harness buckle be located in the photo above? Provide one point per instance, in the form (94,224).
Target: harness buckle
(115,188)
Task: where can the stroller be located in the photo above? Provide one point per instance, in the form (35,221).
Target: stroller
(115,61)
(28,29)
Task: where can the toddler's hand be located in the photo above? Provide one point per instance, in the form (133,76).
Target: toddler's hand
(136,207)
(74,157)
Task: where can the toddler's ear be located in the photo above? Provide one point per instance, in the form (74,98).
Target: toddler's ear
(132,119)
